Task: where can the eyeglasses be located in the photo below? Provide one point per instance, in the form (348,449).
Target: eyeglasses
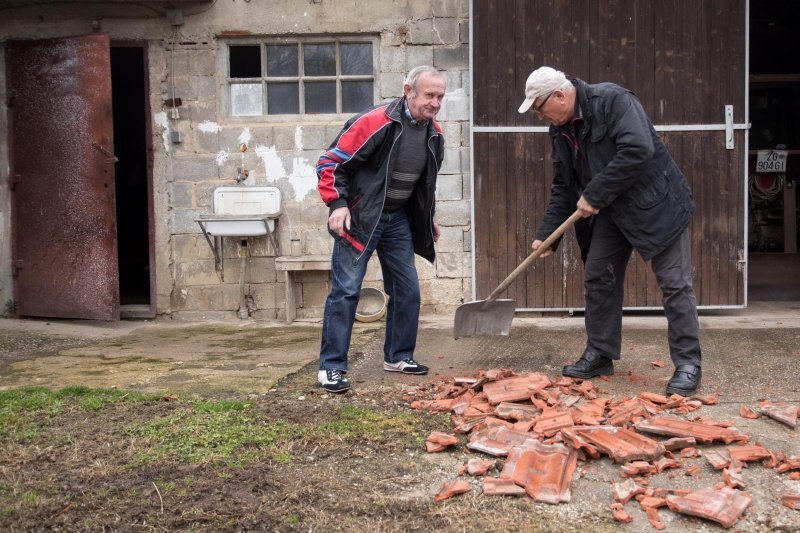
(538,108)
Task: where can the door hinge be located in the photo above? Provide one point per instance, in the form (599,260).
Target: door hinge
(15,179)
(16,266)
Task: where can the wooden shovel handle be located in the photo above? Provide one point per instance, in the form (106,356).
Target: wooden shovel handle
(548,242)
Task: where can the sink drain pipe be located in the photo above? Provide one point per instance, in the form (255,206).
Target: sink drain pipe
(244,311)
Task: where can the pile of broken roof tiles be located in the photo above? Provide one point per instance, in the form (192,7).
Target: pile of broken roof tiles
(543,427)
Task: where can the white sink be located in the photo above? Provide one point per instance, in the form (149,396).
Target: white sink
(243,212)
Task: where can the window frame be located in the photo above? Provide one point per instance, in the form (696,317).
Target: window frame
(300,41)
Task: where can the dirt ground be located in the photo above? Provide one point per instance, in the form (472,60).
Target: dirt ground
(347,462)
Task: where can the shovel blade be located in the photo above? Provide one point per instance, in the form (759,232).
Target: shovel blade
(482,318)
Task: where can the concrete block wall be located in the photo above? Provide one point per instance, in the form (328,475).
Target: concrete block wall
(275,152)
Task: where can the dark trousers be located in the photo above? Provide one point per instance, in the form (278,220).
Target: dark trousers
(604,282)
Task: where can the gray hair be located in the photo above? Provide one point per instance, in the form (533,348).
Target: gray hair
(415,73)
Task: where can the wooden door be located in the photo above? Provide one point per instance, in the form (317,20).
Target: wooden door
(684,59)
(62,166)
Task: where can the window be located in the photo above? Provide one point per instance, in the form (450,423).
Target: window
(301,77)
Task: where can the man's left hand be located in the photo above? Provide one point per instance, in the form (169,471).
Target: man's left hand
(436,232)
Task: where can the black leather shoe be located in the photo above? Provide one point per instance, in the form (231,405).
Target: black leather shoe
(590,365)
(685,380)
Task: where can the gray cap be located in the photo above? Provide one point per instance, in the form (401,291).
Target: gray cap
(541,82)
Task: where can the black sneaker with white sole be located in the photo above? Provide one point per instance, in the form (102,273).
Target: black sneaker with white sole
(406,366)
(333,381)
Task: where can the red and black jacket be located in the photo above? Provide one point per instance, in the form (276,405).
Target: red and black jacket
(355,171)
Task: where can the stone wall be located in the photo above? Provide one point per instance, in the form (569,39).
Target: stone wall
(278,153)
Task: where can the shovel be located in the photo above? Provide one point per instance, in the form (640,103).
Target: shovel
(493,316)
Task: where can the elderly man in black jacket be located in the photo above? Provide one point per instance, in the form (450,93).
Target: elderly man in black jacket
(612,167)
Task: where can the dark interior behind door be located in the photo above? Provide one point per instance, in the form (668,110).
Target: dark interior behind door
(61,144)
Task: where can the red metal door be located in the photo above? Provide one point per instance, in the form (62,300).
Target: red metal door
(62,168)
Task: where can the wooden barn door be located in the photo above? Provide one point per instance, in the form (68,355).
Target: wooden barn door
(684,59)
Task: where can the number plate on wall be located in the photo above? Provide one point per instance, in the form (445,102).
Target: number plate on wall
(771,161)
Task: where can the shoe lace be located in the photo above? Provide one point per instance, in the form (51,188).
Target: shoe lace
(411,362)
(334,375)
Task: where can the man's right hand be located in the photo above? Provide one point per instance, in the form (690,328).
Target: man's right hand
(535,246)
(339,220)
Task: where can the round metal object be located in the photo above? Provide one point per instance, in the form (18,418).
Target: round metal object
(371,305)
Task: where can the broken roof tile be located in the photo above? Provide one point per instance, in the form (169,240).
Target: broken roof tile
(782,412)
(546,471)
(625,490)
(623,413)
(723,505)
(719,459)
(442,439)
(550,422)
(451,489)
(653,397)
(493,486)
(476,467)
(792,463)
(655,520)
(517,411)
(675,427)
(658,363)
(746,454)
(746,412)
(635,468)
(791,500)
(619,514)
(693,470)
(622,445)
(497,440)
(733,478)
(665,463)
(571,437)
(433,405)
(711,399)
(514,388)
(678,443)
(690,452)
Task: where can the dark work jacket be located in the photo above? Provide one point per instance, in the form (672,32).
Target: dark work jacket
(632,177)
(355,171)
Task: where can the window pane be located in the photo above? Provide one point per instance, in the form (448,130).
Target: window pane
(282,60)
(283,98)
(246,99)
(356,96)
(357,58)
(321,97)
(245,61)
(319,59)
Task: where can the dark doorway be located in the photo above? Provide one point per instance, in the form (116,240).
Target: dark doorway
(129,101)
(773,260)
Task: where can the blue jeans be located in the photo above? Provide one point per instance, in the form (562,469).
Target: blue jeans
(392,240)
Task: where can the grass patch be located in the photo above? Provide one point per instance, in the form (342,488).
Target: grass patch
(26,412)
(235,434)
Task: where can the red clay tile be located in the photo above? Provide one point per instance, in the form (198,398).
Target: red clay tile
(465,426)
(791,500)
(622,445)
(794,476)
(715,423)
(723,505)
(439,439)
(782,412)
(711,399)
(461,404)
(655,520)
(690,452)
(546,471)
(433,405)
(493,486)
(658,363)
(595,407)
(451,489)
(514,388)
(625,490)
(792,463)
(693,470)
(733,478)
(623,413)
(571,437)
(550,422)
(664,463)
(635,468)
(746,412)
(652,501)
(517,411)
(675,427)
(653,397)
(719,459)
(476,467)
(497,440)
(465,381)
(746,454)
(678,443)
(619,514)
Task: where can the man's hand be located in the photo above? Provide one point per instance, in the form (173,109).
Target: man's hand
(436,232)
(535,246)
(585,209)
(339,220)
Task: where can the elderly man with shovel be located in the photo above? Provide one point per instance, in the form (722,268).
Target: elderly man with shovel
(612,170)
